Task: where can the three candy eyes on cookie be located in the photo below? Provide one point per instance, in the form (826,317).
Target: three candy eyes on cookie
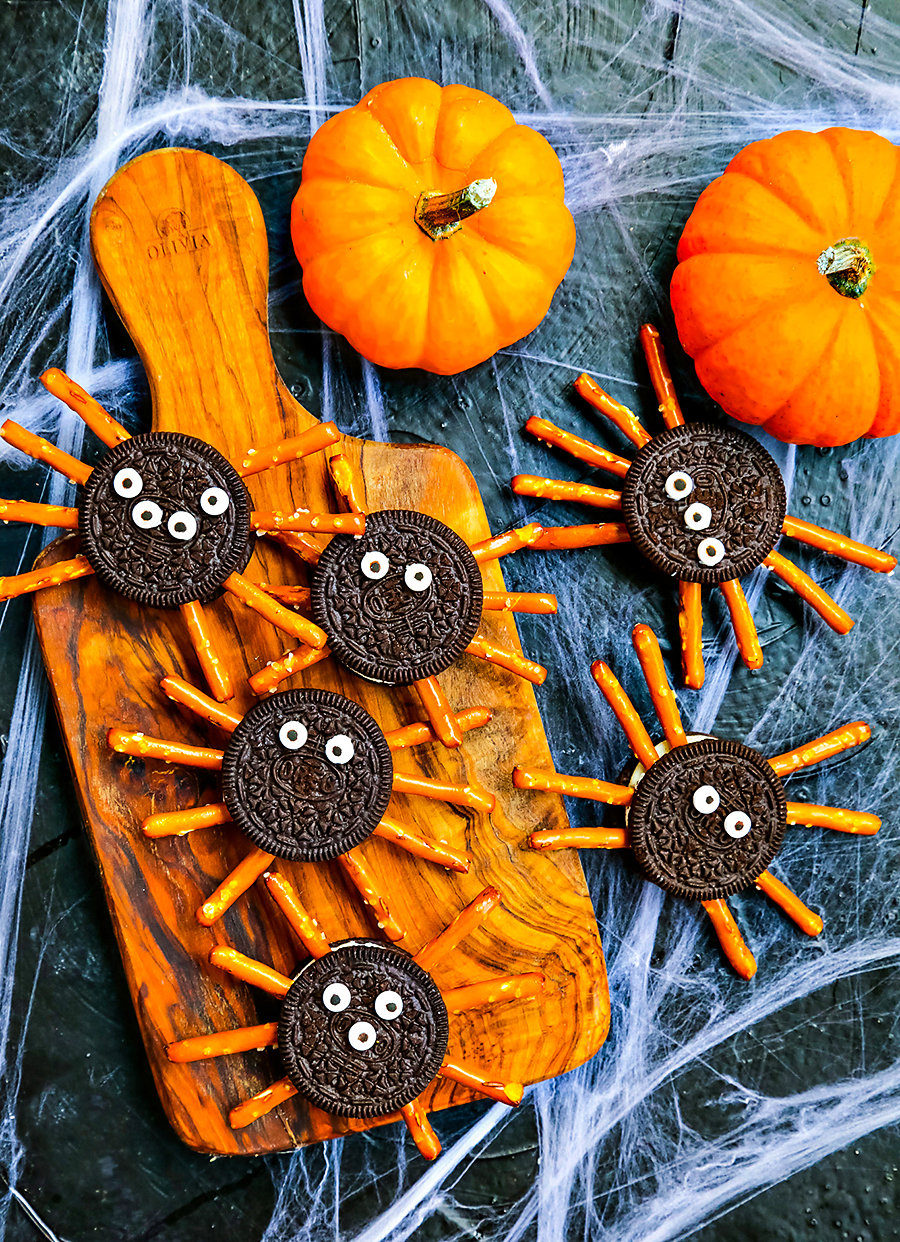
(362,1035)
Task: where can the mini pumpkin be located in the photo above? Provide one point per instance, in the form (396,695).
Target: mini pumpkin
(787,291)
(430,227)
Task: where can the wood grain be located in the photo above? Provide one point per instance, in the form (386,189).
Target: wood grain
(180,245)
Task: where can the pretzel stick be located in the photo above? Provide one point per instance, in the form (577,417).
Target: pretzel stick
(519,601)
(510,541)
(470,917)
(661,377)
(439,711)
(730,938)
(507,1093)
(420,1129)
(592,535)
(224,1043)
(825,606)
(360,877)
(304,546)
(39,515)
(38,579)
(580,838)
(248,970)
(311,441)
(456,795)
(559,489)
(212,667)
(302,924)
(439,853)
(690,626)
(821,748)
(416,734)
(296,595)
(839,545)
(619,414)
(103,425)
(265,681)
(180,691)
(632,725)
(489,991)
(511,660)
(811,816)
(344,479)
(244,876)
(573,786)
(42,450)
(261,1103)
(663,697)
(742,623)
(583,450)
(180,823)
(324,523)
(144,747)
(273,612)
(807,920)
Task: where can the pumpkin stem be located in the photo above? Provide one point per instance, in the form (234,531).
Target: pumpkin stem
(440,215)
(847,266)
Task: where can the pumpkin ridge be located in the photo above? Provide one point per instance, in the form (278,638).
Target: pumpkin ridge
(821,354)
(339,247)
(778,197)
(775,245)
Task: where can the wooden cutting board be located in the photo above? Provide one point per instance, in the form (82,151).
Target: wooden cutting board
(180,244)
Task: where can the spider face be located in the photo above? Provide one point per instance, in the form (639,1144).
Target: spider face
(307,774)
(401,602)
(707,819)
(363,1030)
(165,520)
(703,503)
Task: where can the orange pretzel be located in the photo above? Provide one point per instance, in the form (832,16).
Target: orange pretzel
(574,786)
(742,621)
(92,413)
(470,917)
(690,625)
(661,376)
(661,693)
(558,489)
(821,748)
(807,920)
(839,545)
(244,875)
(615,411)
(144,747)
(302,924)
(583,450)
(213,669)
(632,725)
(730,938)
(311,441)
(860,823)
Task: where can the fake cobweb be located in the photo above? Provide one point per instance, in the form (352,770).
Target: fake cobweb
(709,1090)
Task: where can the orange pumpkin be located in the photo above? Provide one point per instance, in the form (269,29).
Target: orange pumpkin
(430,227)
(787,292)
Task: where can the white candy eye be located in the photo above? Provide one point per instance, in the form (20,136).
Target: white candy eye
(339,749)
(336,997)
(679,485)
(389,1005)
(374,565)
(738,824)
(710,551)
(182,525)
(214,501)
(361,1036)
(146,514)
(292,734)
(417,577)
(706,800)
(697,516)
(127,483)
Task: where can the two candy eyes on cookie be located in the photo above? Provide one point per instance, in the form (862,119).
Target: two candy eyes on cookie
(147,514)
(362,1035)
(706,800)
(697,516)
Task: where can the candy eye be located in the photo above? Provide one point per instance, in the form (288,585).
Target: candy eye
(417,577)
(679,485)
(738,824)
(336,997)
(710,551)
(214,501)
(361,1036)
(389,1005)
(706,800)
(339,749)
(292,735)
(146,514)
(374,565)
(127,483)
(182,525)
(697,516)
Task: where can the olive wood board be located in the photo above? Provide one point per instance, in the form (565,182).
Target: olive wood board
(180,243)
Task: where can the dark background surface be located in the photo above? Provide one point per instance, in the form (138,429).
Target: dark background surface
(645,104)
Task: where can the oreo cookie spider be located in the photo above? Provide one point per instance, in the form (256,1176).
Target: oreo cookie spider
(704,504)
(403,602)
(165,520)
(364,1029)
(705,817)
(308,776)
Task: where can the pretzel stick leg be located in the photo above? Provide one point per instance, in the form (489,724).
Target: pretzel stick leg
(631,723)
(39,515)
(311,441)
(582,450)
(261,1103)
(573,786)
(807,920)
(661,693)
(489,991)
(859,823)
(440,713)
(214,670)
(821,748)
(80,402)
(470,917)
(42,450)
(144,747)
(302,924)
(690,625)
(181,691)
(559,489)
(244,876)
(661,376)
(502,545)
(742,622)
(244,590)
(223,1043)
(828,610)
(421,1130)
(520,601)
(248,970)
(730,938)
(593,535)
(37,579)
(356,871)
(506,1093)
(839,545)
(345,482)
(302,520)
(615,411)
(420,732)
(439,853)
(456,795)
(580,838)
(304,546)
(180,823)
(266,680)
(510,660)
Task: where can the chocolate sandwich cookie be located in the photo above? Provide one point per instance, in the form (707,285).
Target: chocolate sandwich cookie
(401,602)
(363,1030)
(704,503)
(165,520)
(707,819)
(307,774)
